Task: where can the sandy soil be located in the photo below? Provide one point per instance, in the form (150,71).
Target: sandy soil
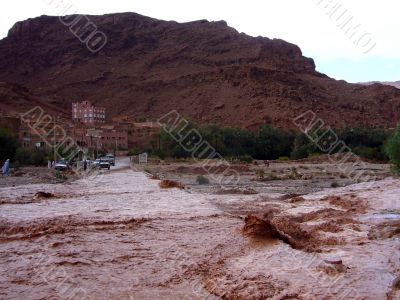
(120,236)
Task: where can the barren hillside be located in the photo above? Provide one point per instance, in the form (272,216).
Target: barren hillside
(207,71)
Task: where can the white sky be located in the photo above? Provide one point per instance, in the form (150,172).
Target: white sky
(301,22)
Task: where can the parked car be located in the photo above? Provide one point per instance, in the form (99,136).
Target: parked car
(104,163)
(61,165)
(111,159)
(96,162)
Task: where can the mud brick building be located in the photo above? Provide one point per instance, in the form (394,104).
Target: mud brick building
(140,134)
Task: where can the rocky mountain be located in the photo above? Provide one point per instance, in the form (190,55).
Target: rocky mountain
(396,84)
(16,99)
(207,71)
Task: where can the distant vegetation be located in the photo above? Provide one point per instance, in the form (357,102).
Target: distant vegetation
(269,143)
(367,143)
(393,149)
(9,149)
(27,157)
(8,144)
(241,145)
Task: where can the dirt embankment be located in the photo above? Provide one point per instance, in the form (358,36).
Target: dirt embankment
(385,230)
(305,231)
(37,175)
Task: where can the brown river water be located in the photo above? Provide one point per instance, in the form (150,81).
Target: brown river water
(119,236)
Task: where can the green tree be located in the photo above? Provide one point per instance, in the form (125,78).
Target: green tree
(237,142)
(272,143)
(8,144)
(303,147)
(365,142)
(393,149)
(212,134)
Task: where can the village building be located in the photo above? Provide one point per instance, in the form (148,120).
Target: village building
(140,134)
(113,137)
(43,136)
(85,112)
(89,132)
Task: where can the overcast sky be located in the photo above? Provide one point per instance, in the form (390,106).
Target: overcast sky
(306,23)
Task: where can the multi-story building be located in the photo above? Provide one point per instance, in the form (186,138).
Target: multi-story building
(85,112)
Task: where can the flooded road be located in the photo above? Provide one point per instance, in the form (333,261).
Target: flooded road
(119,236)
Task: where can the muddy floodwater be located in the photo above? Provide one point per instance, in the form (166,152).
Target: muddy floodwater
(120,236)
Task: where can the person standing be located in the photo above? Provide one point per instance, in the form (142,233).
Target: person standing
(49,164)
(6,168)
(85,165)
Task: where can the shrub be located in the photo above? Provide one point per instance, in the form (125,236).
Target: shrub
(272,177)
(23,156)
(202,180)
(260,174)
(335,184)
(245,158)
(283,158)
(134,151)
(294,174)
(154,157)
(58,175)
(38,159)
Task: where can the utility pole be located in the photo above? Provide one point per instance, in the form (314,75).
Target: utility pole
(97,146)
(116,145)
(54,136)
